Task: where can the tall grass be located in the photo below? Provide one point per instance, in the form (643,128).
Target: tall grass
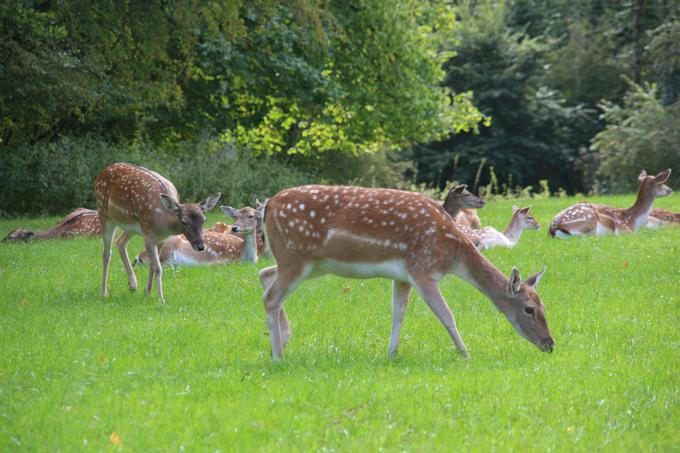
(196,374)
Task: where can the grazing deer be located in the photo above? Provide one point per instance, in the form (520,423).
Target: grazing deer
(81,222)
(407,237)
(595,219)
(521,220)
(662,217)
(140,201)
(222,245)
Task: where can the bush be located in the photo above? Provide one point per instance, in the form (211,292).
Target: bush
(640,134)
(57,177)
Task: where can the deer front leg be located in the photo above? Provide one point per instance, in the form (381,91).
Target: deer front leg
(155,269)
(287,279)
(107,235)
(122,244)
(429,290)
(400,295)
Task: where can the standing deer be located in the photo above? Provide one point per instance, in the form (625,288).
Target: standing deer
(81,222)
(407,237)
(223,245)
(521,220)
(595,219)
(140,201)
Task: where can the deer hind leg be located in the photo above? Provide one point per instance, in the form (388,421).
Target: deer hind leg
(287,280)
(429,291)
(155,269)
(122,244)
(400,295)
(267,276)
(107,235)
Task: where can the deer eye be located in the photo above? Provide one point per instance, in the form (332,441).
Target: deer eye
(251,216)
(529,310)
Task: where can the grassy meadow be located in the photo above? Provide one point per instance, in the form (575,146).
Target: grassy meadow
(79,372)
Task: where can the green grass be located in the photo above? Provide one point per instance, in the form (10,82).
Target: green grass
(196,373)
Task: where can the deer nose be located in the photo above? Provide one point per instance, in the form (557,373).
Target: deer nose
(198,245)
(235,229)
(548,344)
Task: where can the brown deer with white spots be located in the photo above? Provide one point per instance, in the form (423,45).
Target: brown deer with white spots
(237,243)
(468,218)
(140,201)
(662,217)
(595,219)
(403,236)
(521,220)
(81,222)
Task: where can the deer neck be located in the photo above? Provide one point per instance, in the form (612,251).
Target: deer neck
(249,250)
(480,273)
(514,229)
(638,213)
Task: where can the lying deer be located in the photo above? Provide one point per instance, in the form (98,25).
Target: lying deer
(81,222)
(595,219)
(140,201)
(662,217)
(221,246)
(403,236)
(521,220)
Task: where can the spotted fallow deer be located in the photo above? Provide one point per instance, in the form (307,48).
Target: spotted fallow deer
(403,236)
(468,218)
(521,220)
(595,219)
(222,245)
(662,217)
(81,222)
(140,201)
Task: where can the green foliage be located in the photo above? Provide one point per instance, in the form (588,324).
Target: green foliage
(534,134)
(640,134)
(59,176)
(196,374)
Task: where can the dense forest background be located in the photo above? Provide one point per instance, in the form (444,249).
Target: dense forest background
(249,96)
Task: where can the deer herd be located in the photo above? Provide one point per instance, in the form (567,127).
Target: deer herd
(348,231)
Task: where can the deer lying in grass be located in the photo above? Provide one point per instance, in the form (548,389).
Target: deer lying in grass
(140,201)
(521,220)
(595,219)
(221,247)
(662,217)
(404,236)
(81,222)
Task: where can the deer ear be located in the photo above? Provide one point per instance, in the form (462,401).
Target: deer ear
(169,204)
(228,210)
(515,281)
(210,202)
(459,189)
(662,177)
(259,206)
(534,279)
(642,175)
(525,210)
(514,208)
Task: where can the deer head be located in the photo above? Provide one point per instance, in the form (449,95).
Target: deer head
(655,185)
(190,217)
(246,220)
(459,197)
(526,311)
(525,219)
